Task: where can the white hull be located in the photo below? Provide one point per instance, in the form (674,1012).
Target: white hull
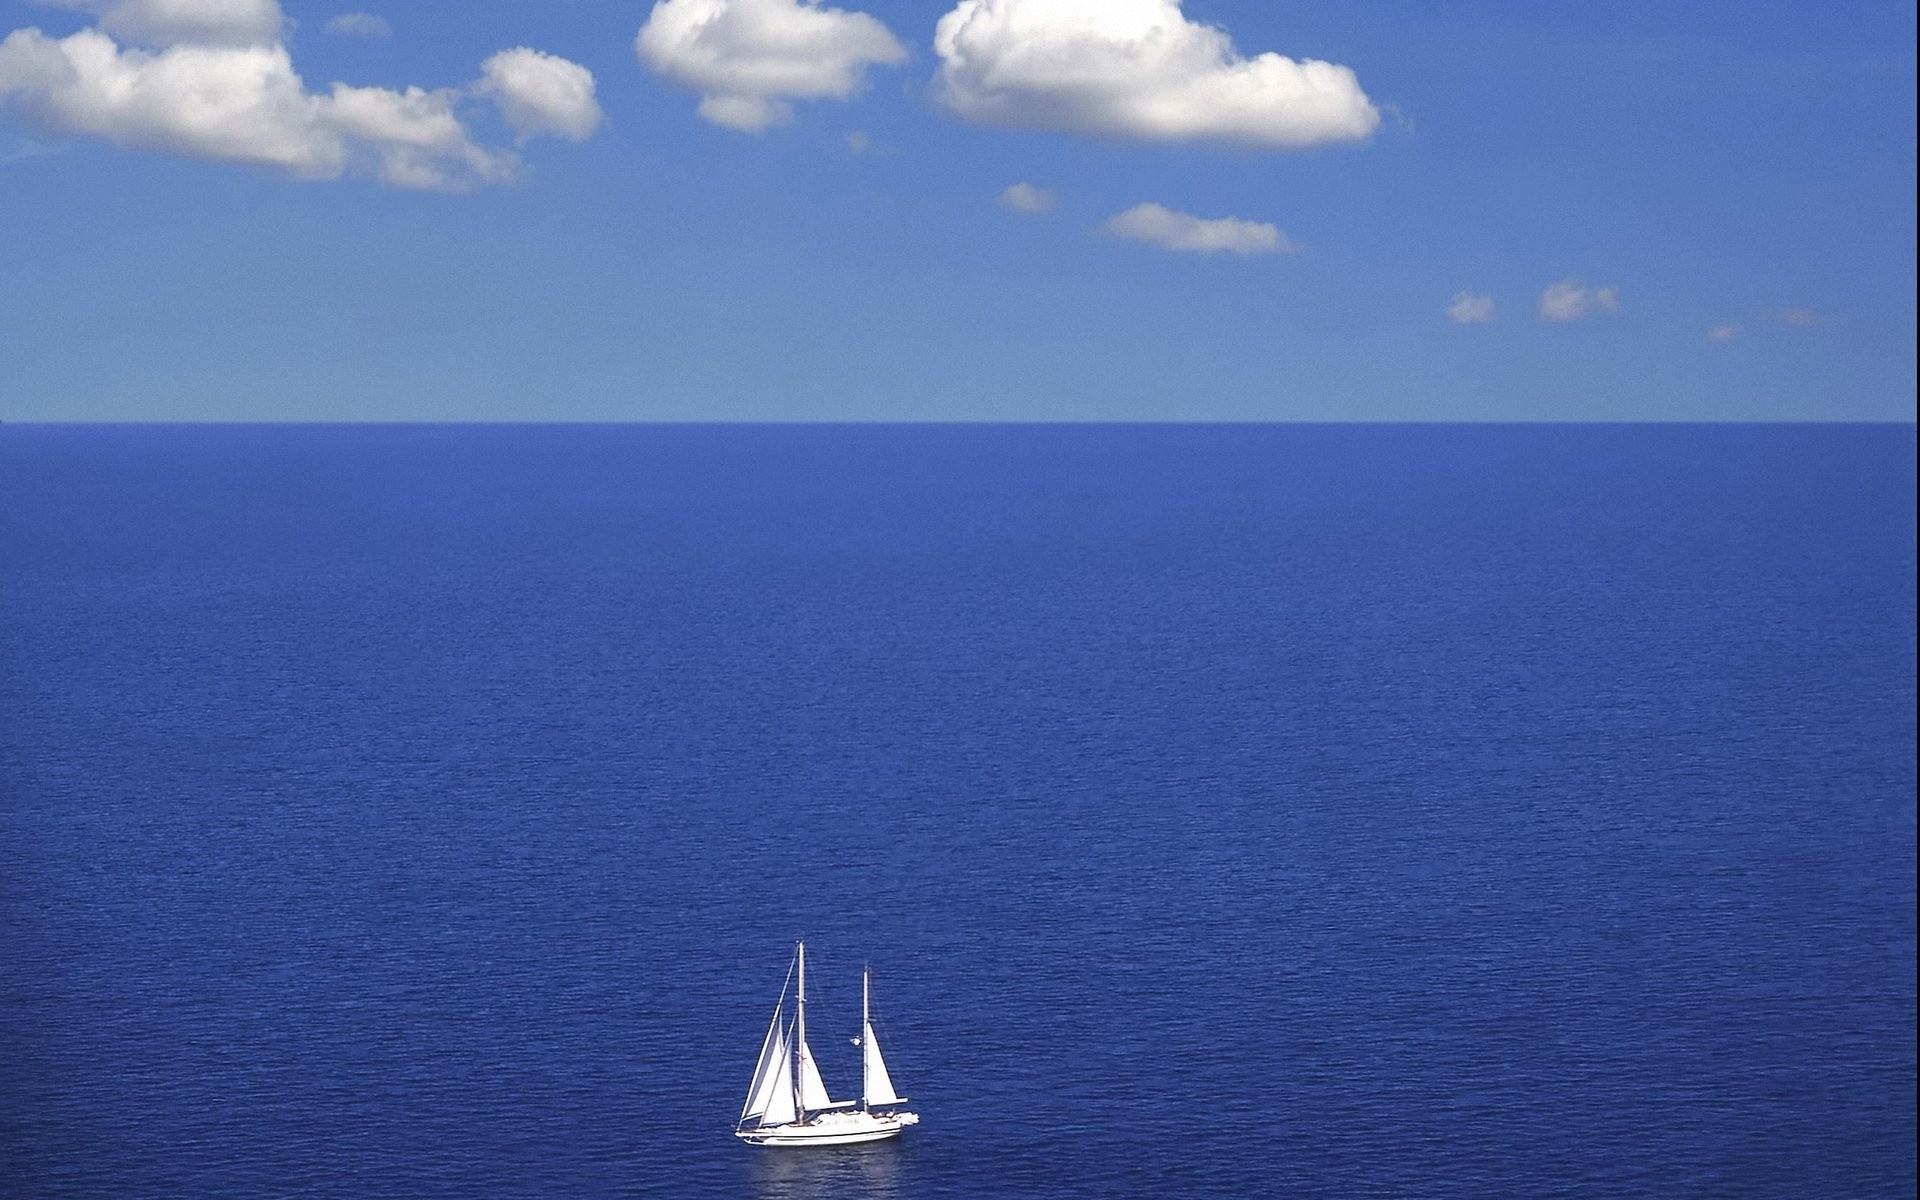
(830,1129)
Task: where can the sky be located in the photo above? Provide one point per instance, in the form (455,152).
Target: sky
(956,210)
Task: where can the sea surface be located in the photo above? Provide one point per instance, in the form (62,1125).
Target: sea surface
(1293,812)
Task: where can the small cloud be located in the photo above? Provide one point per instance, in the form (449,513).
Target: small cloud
(1469,309)
(359,25)
(1723,333)
(749,58)
(1799,317)
(1570,300)
(1178,231)
(541,93)
(859,143)
(1026,198)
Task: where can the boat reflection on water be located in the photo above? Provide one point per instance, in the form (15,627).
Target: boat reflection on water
(875,1171)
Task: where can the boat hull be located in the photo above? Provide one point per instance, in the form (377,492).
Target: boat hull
(830,1129)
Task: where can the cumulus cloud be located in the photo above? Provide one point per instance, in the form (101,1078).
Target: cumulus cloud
(1170,230)
(1468,309)
(244,103)
(1026,198)
(1570,300)
(749,58)
(360,25)
(541,93)
(1137,69)
(161,23)
(1723,333)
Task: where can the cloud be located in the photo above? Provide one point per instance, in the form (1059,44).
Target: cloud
(541,93)
(748,58)
(1468,309)
(246,104)
(162,23)
(1169,230)
(1723,333)
(1136,69)
(1570,300)
(1026,198)
(1799,317)
(360,25)
(858,142)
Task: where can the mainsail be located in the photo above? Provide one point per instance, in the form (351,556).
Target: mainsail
(813,1091)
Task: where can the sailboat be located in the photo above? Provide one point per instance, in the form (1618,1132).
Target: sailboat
(788,1103)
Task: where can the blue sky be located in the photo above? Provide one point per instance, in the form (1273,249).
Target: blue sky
(1500,211)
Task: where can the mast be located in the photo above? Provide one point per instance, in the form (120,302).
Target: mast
(800,1041)
(866,1030)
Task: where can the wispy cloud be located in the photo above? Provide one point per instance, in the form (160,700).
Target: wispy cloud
(1026,198)
(1571,300)
(1158,226)
(161,23)
(13,150)
(1723,333)
(359,25)
(1466,308)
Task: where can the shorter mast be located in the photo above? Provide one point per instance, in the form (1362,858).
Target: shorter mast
(800,1038)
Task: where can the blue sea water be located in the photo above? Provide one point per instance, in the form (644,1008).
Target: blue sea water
(1280,811)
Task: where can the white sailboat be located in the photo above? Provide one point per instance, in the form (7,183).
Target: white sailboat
(788,1103)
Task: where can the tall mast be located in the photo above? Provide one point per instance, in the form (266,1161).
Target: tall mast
(866,1031)
(800,1042)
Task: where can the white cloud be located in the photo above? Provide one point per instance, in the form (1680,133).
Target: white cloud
(1723,333)
(1468,309)
(858,142)
(1137,69)
(161,23)
(246,104)
(748,58)
(1570,300)
(1169,230)
(360,25)
(1026,198)
(541,93)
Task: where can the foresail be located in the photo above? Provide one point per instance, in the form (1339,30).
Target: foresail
(813,1092)
(770,1097)
(879,1089)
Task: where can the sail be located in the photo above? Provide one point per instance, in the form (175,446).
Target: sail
(879,1087)
(770,1096)
(813,1092)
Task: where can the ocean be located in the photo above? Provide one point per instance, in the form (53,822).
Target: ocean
(1225,811)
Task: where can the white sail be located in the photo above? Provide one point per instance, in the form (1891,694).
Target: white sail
(879,1086)
(813,1092)
(770,1096)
